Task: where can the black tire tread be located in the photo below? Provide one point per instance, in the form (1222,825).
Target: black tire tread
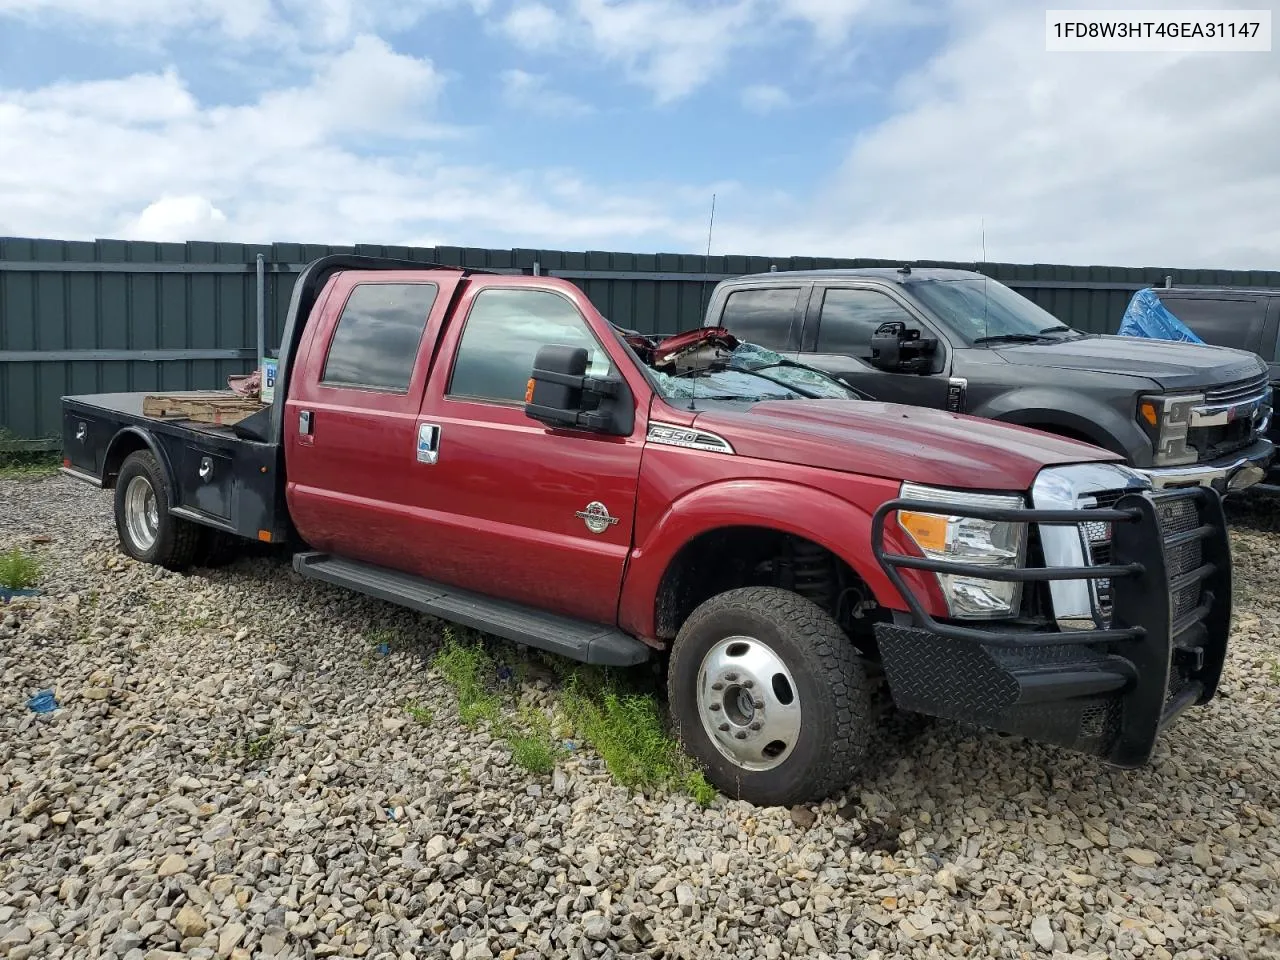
(184,542)
(837,662)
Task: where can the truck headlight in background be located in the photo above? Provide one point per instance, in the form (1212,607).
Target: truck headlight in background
(996,544)
(1167,419)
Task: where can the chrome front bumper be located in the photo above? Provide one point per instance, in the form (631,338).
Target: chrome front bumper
(1231,474)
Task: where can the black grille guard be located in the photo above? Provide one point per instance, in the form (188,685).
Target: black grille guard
(1107,692)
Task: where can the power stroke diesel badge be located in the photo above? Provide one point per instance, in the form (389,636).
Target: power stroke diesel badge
(596,517)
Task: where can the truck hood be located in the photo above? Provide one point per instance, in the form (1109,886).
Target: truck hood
(896,442)
(1171,365)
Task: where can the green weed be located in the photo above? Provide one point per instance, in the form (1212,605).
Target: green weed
(532,745)
(420,712)
(259,748)
(467,668)
(19,462)
(625,727)
(19,569)
(620,719)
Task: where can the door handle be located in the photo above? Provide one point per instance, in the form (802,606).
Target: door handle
(428,442)
(304,422)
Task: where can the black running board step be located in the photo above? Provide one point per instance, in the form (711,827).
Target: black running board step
(567,636)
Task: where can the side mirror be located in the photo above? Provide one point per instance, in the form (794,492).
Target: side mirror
(560,394)
(898,348)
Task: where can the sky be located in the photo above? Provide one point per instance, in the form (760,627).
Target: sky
(904,129)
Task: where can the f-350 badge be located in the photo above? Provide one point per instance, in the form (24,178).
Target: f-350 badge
(596,517)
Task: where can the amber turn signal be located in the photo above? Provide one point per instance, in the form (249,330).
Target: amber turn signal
(1148,411)
(528,392)
(928,530)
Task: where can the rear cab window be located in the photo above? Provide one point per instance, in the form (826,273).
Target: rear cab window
(765,316)
(1222,321)
(376,341)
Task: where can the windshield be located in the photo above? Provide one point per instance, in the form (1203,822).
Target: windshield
(979,310)
(753,374)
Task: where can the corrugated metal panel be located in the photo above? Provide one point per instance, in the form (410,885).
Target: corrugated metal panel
(203,298)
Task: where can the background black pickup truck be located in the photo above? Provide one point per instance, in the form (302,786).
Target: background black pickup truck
(1245,318)
(1183,414)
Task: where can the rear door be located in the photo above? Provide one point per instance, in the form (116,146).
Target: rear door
(769,316)
(521,511)
(837,338)
(355,486)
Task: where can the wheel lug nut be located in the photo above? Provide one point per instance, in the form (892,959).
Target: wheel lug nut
(715,707)
(723,726)
(759,704)
(748,684)
(717,685)
(731,677)
(741,734)
(755,726)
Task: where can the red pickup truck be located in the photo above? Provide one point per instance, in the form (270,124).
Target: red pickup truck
(490,450)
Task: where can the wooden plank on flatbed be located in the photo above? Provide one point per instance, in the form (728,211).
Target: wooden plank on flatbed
(218,407)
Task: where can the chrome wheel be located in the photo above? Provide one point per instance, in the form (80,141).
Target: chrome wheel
(141,513)
(748,703)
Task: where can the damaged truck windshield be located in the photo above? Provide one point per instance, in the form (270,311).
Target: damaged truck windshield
(712,364)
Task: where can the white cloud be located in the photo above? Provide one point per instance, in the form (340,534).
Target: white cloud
(287,24)
(1132,159)
(534,26)
(765,98)
(673,47)
(178,219)
(140,157)
(531,92)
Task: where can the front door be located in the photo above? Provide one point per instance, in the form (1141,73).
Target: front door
(522,511)
(837,339)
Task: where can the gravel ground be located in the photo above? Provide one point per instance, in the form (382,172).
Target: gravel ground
(232,773)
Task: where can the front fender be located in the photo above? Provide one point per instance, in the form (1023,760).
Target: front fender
(842,527)
(1045,408)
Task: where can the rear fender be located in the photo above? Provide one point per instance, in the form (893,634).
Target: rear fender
(840,526)
(125,442)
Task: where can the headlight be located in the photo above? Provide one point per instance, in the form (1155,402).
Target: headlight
(1167,420)
(967,540)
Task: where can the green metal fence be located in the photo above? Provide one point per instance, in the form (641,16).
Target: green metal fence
(111,315)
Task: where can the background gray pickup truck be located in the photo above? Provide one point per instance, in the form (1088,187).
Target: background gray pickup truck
(1245,318)
(1183,414)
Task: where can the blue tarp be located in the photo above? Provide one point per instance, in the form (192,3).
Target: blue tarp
(1147,317)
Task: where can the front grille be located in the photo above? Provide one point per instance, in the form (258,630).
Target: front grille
(1179,516)
(1210,443)
(1097,542)
(1213,442)
(1175,516)
(1240,390)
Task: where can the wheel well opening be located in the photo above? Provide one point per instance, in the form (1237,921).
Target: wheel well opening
(119,451)
(732,557)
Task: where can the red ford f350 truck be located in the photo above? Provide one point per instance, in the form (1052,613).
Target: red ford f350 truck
(490,450)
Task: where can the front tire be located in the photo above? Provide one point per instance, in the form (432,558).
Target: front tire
(770,697)
(147,531)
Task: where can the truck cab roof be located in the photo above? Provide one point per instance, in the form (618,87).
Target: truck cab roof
(886,274)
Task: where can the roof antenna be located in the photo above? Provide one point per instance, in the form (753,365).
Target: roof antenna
(693,389)
(984,239)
